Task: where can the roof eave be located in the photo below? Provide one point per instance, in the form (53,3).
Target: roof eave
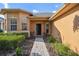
(5,10)
(60,10)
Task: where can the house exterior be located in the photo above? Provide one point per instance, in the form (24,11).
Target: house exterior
(17,20)
(65,25)
(1,26)
(39,25)
(1,22)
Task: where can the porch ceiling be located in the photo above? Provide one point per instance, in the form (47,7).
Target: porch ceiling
(33,18)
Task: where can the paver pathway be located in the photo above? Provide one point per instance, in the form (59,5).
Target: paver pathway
(39,48)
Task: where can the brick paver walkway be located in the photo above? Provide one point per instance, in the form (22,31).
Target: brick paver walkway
(39,48)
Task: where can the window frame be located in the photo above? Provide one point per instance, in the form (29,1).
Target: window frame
(13,24)
(24,25)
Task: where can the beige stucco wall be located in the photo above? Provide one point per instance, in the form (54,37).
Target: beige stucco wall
(9,14)
(33,26)
(66,27)
(5,23)
(20,18)
(23,16)
(38,20)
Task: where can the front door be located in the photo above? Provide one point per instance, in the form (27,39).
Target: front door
(38,29)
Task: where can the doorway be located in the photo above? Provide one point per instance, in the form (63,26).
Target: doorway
(38,29)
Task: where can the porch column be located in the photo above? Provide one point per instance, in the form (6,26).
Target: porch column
(1,25)
(50,28)
(42,28)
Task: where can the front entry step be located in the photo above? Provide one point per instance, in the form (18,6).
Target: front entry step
(38,36)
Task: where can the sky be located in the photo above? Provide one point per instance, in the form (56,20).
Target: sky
(34,7)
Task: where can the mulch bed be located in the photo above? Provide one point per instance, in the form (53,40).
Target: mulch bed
(26,46)
(49,47)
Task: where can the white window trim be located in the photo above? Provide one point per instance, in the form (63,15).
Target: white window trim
(12,24)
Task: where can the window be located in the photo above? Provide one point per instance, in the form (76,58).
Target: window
(24,26)
(24,19)
(13,24)
(47,28)
(13,27)
(24,23)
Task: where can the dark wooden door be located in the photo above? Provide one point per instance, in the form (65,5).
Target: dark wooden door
(38,29)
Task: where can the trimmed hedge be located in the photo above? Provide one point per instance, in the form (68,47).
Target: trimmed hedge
(15,33)
(10,41)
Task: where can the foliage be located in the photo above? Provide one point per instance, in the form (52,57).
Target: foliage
(52,39)
(60,48)
(18,51)
(14,33)
(10,41)
(63,50)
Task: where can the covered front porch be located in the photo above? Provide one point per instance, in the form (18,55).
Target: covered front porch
(39,26)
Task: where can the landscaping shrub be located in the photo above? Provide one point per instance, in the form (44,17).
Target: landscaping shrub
(63,50)
(18,51)
(22,33)
(51,39)
(10,41)
(15,33)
